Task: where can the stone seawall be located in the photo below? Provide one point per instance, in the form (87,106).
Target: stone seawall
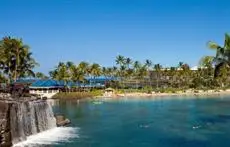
(22,118)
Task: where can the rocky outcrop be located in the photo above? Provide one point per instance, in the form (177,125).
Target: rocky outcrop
(5,135)
(61,120)
(20,118)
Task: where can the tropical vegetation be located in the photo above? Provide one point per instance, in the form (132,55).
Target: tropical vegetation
(213,72)
(16,60)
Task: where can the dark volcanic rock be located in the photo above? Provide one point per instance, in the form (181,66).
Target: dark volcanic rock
(5,137)
(61,120)
(22,117)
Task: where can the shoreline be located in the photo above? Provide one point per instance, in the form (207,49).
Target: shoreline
(157,95)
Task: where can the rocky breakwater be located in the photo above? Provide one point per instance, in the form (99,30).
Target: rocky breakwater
(20,118)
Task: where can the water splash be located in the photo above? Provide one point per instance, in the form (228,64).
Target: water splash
(52,136)
(29,118)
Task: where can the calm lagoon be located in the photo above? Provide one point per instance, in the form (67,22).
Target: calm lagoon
(172,122)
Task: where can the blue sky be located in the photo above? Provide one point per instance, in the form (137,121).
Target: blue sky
(165,31)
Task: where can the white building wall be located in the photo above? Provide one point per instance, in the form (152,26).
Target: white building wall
(44,93)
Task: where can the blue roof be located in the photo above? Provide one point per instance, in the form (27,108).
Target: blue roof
(100,79)
(47,83)
(55,83)
(25,81)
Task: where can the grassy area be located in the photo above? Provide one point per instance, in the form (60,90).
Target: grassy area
(78,95)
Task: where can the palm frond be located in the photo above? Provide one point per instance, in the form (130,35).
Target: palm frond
(227,42)
(212,45)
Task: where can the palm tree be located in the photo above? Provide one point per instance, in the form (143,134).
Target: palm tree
(61,73)
(84,69)
(16,58)
(206,70)
(157,68)
(95,71)
(25,69)
(185,75)
(141,73)
(104,72)
(120,60)
(206,62)
(148,64)
(136,65)
(128,62)
(77,74)
(40,75)
(172,76)
(222,79)
(110,72)
(222,54)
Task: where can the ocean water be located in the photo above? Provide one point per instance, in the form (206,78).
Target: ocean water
(163,122)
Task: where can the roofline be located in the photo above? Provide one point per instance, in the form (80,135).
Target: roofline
(34,87)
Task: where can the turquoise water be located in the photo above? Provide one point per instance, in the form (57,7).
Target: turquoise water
(149,123)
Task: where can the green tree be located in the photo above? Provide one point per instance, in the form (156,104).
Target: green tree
(222,54)
(95,71)
(157,69)
(120,60)
(16,59)
(61,73)
(148,65)
(40,75)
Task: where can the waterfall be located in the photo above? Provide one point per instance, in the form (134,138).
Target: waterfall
(29,118)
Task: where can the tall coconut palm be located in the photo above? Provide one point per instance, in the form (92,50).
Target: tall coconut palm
(16,58)
(70,65)
(128,62)
(77,74)
(148,64)
(142,73)
(61,73)
(114,72)
(206,67)
(84,67)
(95,71)
(222,54)
(206,62)
(109,72)
(222,79)
(136,65)
(185,75)
(172,76)
(120,60)
(157,69)
(104,72)
(25,69)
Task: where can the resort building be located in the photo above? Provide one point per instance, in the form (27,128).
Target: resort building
(46,88)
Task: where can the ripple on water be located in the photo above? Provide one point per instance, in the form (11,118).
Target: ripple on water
(52,136)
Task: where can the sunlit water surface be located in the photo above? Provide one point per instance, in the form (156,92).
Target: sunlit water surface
(145,122)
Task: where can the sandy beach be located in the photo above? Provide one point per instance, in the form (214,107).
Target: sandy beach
(180,93)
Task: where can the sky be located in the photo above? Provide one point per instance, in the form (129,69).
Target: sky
(164,31)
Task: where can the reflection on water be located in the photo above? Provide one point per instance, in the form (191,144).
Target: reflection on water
(147,122)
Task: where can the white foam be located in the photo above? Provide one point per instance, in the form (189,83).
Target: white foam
(52,136)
